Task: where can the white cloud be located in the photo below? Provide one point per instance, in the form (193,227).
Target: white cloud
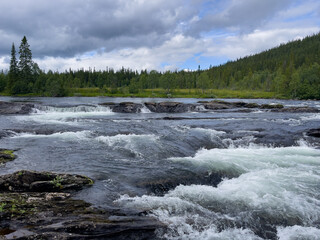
(259,40)
(173,52)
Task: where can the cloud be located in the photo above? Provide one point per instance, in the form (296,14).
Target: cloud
(247,44)
(244,15)
(158,34)
(65,28)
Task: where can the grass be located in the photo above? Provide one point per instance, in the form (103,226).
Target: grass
(175,93)
(161,93)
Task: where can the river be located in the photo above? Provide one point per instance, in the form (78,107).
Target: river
(205,175)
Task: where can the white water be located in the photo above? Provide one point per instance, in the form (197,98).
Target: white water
(65,115)
(282,183)
(70,136)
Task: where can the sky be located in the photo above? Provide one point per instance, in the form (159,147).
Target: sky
(150,34)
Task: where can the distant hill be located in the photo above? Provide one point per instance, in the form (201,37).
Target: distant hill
(292,69)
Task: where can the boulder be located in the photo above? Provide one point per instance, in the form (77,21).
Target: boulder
(314,132)
(7,108)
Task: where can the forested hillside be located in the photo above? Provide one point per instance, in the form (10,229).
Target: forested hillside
(291,70)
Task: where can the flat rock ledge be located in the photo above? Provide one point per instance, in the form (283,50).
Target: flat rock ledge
(39,205)
(202,106)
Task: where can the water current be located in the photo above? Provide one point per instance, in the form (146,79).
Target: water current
(205,175)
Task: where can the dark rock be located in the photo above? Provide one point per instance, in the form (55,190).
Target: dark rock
(31,181)
(162,185)
(56,215)
(297,110)
(15,108)
(271,106)
(169,107)
(127,107)
(124,107)
(217,105)
(252,105)
(314,133)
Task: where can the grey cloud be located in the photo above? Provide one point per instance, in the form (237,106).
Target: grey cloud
(68,28)
(244,15)
(65,28)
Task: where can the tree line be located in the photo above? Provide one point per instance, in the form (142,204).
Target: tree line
(291,70)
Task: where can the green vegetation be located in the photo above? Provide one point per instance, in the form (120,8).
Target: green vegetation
(57,182)
(6,155)
(291,70)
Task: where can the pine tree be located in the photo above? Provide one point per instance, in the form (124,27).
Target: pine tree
(25,65)
(13,71)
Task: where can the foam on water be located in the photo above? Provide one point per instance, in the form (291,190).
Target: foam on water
(65,115)
(80,135)
(298,232)
(144,109)
(127,140)
(282,184)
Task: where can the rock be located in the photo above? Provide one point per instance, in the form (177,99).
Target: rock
(6,156)
(127,107)
(297,110)
(314,133)
(31,181)
(169,107)
(15,108)
(271,106)
(57,216)
(124,107)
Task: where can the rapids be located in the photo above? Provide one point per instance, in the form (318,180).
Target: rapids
(205,175)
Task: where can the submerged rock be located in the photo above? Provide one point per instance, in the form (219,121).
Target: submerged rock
(7,108)
(297,110)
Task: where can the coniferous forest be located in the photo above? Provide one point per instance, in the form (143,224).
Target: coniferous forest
(291,70)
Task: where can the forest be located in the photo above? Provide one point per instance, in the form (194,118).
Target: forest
(291,70)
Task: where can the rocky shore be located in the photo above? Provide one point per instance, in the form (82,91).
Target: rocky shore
(40,205)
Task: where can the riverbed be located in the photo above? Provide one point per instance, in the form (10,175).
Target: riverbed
(225,174)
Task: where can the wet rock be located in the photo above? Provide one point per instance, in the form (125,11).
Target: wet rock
(271,106)
(314,133)
(7,108)
(31,181)
(124,107)
(217,105)
(162,185)
(56,215)
(297,110)
(127,107)
(6,156)
(169,107)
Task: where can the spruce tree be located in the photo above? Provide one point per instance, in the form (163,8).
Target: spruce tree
(13,71)
(25,66)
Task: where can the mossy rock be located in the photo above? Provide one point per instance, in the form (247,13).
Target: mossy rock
(6,155)
(32,181)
